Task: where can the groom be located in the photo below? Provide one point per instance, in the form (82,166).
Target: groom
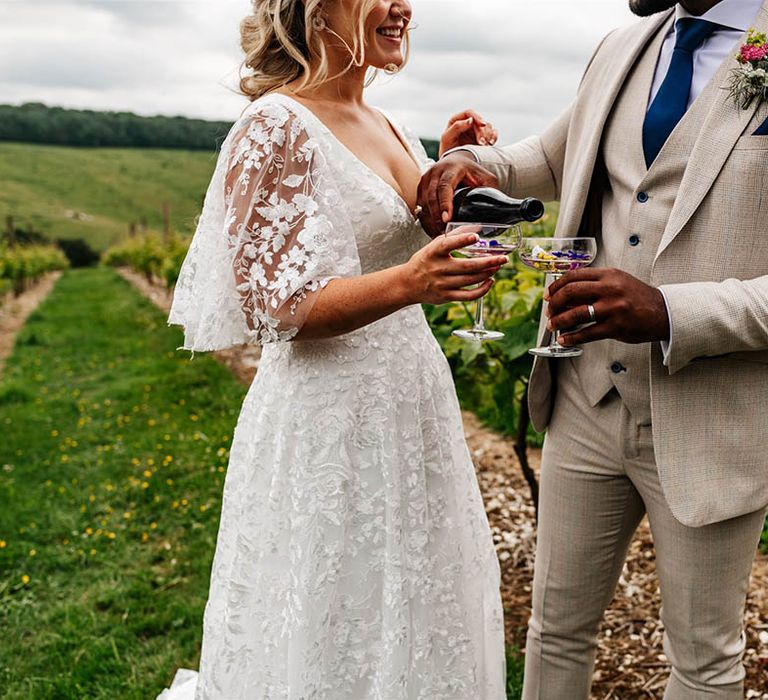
(666,412)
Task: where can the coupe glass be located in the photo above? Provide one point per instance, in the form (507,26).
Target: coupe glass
(556,256)
(495,239)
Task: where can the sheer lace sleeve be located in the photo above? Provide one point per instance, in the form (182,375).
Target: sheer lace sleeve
(283,235)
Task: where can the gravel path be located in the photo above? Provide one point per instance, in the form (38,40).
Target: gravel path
(630,662)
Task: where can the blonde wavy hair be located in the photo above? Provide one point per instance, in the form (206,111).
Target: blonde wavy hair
(282,41)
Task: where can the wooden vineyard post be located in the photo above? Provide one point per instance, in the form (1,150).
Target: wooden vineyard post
(166,221)
(10,230)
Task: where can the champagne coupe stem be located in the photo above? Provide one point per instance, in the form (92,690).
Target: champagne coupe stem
(553,344)
(479,322)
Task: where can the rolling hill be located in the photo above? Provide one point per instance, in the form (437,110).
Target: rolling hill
(95,193)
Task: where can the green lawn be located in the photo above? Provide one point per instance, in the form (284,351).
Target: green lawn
(43,185)
(111,469)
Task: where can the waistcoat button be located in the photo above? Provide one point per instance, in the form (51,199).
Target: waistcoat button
(634,239)
(617,367)
(642,197)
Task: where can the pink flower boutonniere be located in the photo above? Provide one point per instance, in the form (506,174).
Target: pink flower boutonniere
(750,79)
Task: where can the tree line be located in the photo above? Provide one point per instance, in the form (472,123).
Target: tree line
(34,122)
(37,123)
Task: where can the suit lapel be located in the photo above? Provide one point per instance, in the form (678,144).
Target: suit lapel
(722,127)
(601,87)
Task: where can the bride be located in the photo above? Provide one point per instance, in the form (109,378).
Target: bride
(354,559)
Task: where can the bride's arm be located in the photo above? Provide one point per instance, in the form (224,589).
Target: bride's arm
(431,276)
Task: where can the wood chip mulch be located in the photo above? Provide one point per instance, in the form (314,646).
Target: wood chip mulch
(630,662)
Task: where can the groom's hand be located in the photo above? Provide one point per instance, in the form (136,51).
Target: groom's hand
(626,309)
(438,184)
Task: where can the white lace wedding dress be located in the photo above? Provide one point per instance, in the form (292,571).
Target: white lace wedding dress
(354,559)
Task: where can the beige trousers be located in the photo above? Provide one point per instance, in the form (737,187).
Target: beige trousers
(598,479)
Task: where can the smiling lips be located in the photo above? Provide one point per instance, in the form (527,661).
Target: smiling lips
(391,32)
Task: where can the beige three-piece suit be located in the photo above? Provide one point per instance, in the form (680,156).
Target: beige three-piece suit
(685,442)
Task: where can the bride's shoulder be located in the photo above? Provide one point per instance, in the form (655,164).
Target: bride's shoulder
(275,115)
(276,110)
(272,121)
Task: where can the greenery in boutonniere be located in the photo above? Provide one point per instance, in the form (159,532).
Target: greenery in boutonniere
(750,79)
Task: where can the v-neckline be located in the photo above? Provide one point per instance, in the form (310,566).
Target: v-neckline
(400,136)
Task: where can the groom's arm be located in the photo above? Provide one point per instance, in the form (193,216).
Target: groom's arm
(709,319)
(706,319)
(532,167)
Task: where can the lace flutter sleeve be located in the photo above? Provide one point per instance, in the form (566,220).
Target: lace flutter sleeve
(283,234)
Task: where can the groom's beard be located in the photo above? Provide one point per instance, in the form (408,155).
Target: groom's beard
(646,8)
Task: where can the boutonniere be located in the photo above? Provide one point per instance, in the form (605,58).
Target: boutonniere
(750,79)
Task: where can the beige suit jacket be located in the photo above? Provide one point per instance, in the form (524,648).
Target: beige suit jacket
(709,406)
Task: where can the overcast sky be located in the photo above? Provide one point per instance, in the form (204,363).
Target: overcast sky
(516,61)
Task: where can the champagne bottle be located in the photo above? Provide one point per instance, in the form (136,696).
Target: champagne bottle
(486,205)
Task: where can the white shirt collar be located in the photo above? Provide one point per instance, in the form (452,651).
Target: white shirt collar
(738,14)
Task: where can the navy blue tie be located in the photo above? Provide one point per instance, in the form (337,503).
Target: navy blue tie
(671,100)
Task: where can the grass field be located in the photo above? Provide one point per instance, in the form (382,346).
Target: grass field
(111,469)
(112,459)
(45,187)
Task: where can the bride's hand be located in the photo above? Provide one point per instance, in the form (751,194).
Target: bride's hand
(467,128)
(434,277)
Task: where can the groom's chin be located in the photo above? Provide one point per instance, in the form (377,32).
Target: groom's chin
(646,8)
